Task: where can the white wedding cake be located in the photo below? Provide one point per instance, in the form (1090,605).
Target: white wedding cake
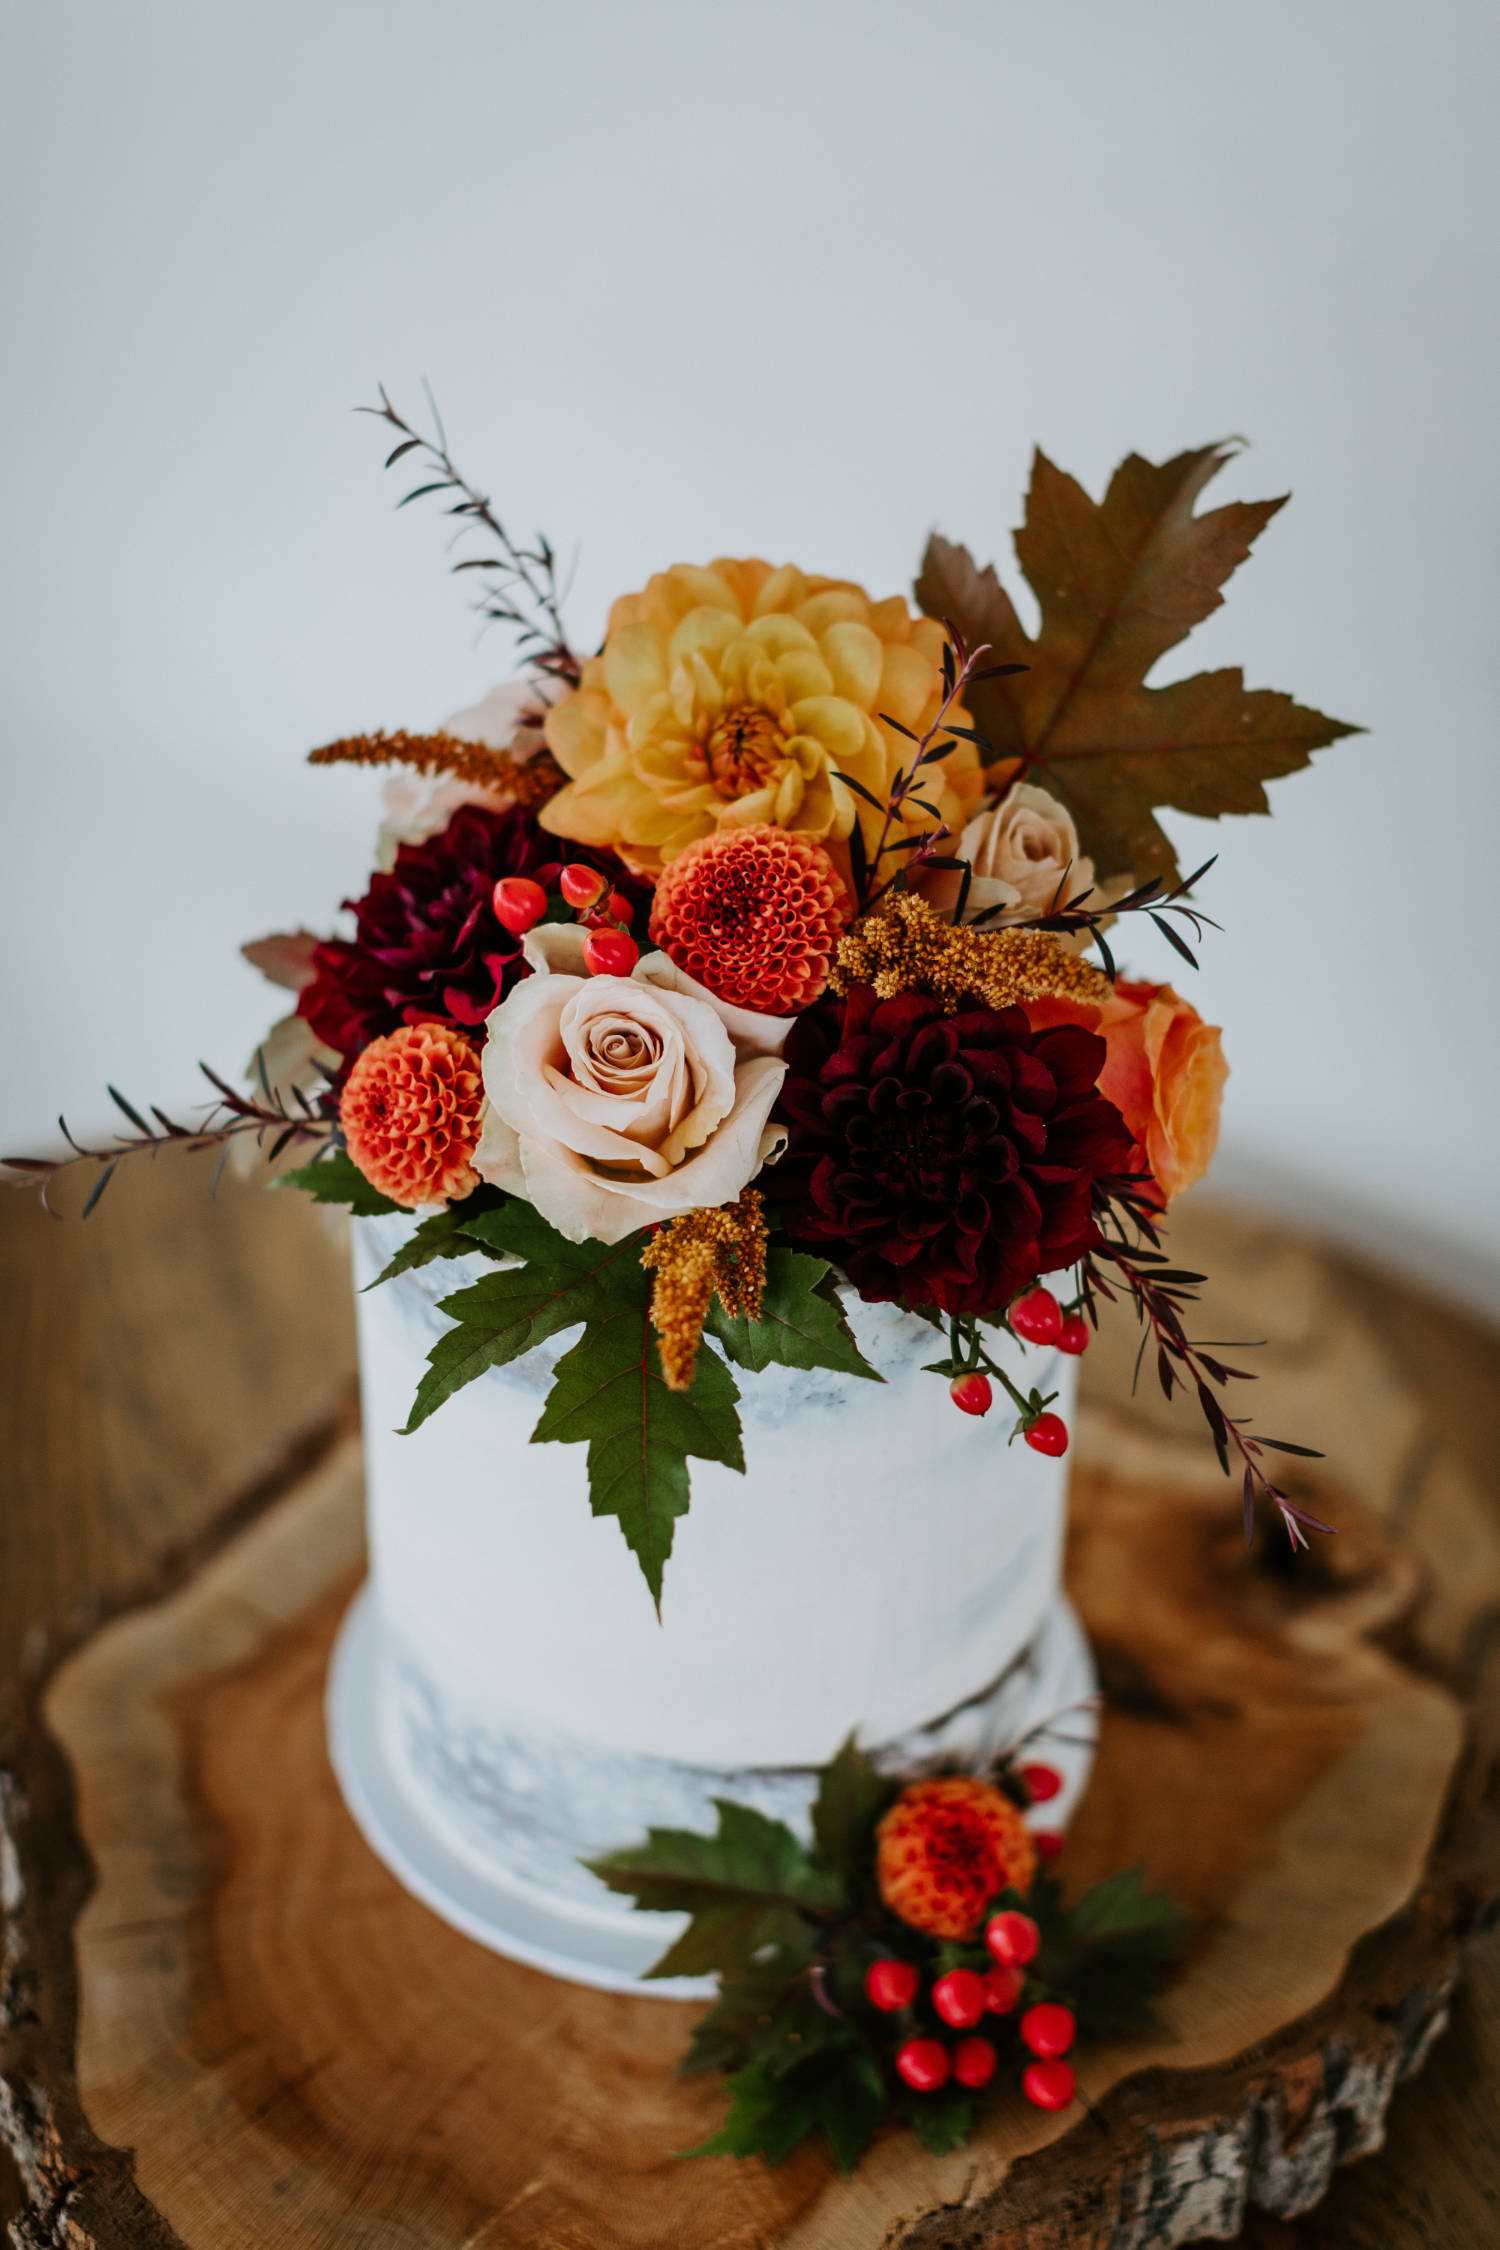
(506,1703)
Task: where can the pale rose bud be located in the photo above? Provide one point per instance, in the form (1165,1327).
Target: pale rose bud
(1025,860)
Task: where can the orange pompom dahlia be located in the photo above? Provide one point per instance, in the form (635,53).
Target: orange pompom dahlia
(754,914)
(410,1113)
(946,1848)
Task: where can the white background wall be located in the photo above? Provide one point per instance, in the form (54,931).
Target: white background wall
(802,280)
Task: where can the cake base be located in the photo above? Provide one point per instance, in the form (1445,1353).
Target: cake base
(556,1935)
(569,1926)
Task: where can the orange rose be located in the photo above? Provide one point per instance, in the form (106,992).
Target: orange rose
(1165,1074)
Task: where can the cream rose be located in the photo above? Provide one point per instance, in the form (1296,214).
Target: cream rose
(617,1102)
(1024,855)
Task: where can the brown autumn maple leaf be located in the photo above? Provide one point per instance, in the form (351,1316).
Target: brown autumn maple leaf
(1119,582)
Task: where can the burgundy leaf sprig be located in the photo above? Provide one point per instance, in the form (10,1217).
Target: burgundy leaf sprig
(1152,898)
(520,586)
(960,670)
(228,1118)
(1139,1270)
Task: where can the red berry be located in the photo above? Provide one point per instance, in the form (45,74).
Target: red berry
(1043,1783)
(1050,2085)
(972,1393)
(959,1998)
(1048,2029)
(1012,1939)
(519,902)
(1003,1988)
(610,953)
(620,908)
(1073,1336)
(1047,1434)
(1048,1842)
(890,1985)
(923,2063)
(1037,1317)
(580,885)
(974,2062)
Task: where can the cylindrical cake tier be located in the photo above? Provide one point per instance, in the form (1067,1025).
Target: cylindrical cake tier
(886,1565)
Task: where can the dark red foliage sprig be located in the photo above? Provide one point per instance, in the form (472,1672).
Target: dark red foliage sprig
(1152,898)
(520,586)
(228,1118)
(961,670)
(1128,1260)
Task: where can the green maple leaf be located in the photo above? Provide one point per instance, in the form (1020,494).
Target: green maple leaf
(767,2013)
(1118,583)
(609,1391)
(558,1284)
(942,2121)
(1110,1952)
(445,1234)
(801,1322)
(336,1178)
(751,1885)
(851,1798)
(838,2092)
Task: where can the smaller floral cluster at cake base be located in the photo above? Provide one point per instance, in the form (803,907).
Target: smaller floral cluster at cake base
(763,963)
(912,1964)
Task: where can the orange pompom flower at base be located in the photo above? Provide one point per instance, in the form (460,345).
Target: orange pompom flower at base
(755,914)
(410,1114)
(946,1848)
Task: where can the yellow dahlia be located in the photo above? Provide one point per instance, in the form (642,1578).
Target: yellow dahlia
(736,695)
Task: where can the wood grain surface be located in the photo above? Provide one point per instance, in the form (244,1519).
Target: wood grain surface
(183,1387)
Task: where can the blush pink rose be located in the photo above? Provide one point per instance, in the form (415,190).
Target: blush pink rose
(617,1102)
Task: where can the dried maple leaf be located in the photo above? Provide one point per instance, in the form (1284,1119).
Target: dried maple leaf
(1119,582)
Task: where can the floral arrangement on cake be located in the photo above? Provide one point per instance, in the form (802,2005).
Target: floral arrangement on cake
(911,1963)
(768,954)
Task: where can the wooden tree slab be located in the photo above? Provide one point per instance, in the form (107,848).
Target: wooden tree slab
(296,2053)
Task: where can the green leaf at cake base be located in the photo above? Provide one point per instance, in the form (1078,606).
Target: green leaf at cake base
(943,2121)
(837,2092)
(801,1322)
(1111,1950)
(750,1886)
(851,1798)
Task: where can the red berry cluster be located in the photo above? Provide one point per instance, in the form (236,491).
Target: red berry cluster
(1035,1317)
(962,1998)
(608,950)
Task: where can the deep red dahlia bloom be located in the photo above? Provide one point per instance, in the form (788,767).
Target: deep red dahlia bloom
(427,947)
(941,1160)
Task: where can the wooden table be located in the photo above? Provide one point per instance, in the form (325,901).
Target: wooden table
(174,1367)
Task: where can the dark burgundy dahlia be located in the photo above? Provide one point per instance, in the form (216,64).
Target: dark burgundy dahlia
(427,946)
(941,1160)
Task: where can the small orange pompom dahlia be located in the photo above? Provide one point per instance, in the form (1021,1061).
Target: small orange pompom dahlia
(754,914)
(946,1848)
(410,1113)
